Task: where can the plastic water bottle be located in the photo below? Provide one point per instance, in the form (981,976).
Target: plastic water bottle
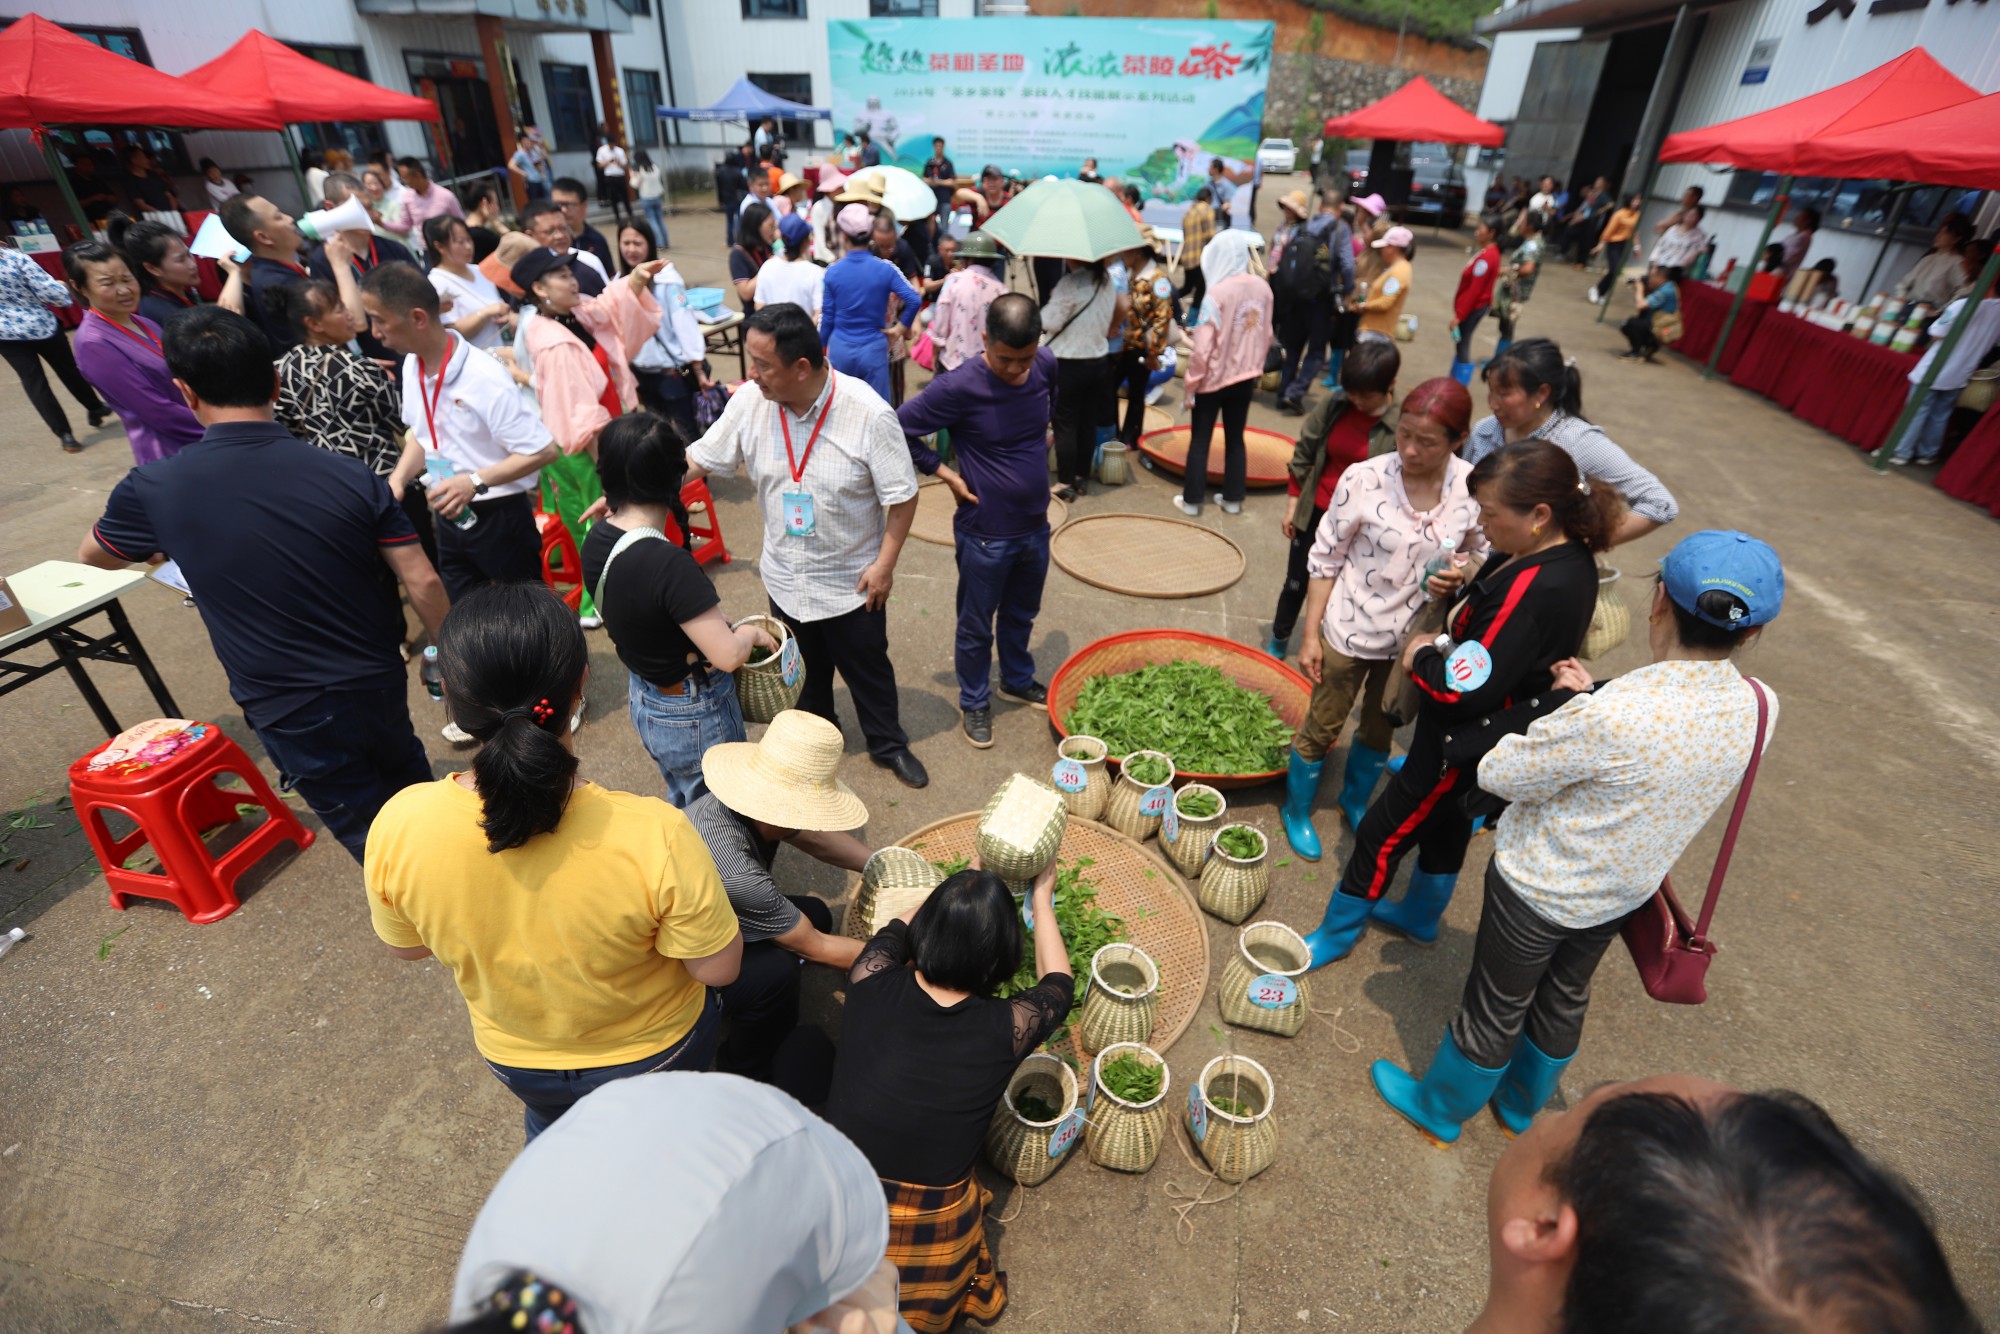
(466,518)
(433,676)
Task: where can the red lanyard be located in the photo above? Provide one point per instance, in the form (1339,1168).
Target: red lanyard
(431,400)
(799,464)
(146,340)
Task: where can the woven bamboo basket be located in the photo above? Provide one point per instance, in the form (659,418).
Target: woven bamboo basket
(1123,810)
(1020,830)
(1123,999)
(1126,1136)
(1021,1147)
(1252,668)
(892,881)
(1264,950)
(1232,887)
(1114,466)
(1186,837)
(1610,619)
(760,687)
(1236,1146)
(1088,753)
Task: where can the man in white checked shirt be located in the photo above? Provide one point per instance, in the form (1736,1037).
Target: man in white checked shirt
(838,492)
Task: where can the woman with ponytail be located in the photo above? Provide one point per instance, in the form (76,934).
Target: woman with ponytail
(583,926)
(1526,610)
(1536,394)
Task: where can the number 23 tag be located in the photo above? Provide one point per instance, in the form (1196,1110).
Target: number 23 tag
(797,507)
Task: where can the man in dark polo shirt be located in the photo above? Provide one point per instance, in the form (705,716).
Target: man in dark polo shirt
(275,243)
(293,554)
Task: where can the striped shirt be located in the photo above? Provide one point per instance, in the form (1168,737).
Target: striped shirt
(1596,455)
(744,862)
(857,467)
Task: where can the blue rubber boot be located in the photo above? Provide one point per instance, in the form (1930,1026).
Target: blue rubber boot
(1301,790)
(1448,1094)
(1528,1082)
(1357,783)
(1461,371)
(1346,918)
(1416,914)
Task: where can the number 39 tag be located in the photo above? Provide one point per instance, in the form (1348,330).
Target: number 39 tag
(1273,991)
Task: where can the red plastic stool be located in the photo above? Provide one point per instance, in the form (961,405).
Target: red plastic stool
(167,788)
(708,544)
(562,566)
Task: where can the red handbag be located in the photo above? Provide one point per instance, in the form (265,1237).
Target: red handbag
(1671,952)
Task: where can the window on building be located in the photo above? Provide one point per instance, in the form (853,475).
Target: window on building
(361,138)
(774,9)
(902,9)
(793,88)
(1867,207)
(572,112)
(642,107)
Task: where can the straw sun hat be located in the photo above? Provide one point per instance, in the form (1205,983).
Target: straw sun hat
(786,779)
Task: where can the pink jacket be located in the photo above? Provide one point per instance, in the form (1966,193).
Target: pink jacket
(1232,346)
(568,381)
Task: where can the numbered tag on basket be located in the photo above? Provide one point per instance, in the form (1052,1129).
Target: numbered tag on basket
(1066,1133)
(1273,991)
(790,663)
(1069,775)
(1197,1113)
(1170,824)
(1156,801)
(1468,667)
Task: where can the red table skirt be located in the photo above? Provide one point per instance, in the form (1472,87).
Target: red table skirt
(1704,307)
(1834,381)
(1973,474)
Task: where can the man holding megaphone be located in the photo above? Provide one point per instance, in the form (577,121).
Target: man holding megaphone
(274,239)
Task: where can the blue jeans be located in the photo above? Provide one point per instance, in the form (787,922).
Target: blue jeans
(346,752)
(546,1094)
(998,577)
(1924,440)
(656,220)
(677,729)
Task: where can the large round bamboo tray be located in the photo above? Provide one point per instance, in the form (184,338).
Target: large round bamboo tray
(1249,667)
(1147,555)
(1268,454)
(1159,912)
(935,506)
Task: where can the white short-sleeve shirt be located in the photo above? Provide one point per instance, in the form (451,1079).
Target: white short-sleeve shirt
(482,417)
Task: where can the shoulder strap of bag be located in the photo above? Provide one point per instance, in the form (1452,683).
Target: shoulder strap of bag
(631,535)
(1735,816)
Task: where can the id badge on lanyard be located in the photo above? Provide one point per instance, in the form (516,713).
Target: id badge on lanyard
(796,505)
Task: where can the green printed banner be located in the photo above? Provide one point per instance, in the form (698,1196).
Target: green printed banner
(1153,100)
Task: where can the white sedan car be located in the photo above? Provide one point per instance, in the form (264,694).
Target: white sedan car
(1277,156)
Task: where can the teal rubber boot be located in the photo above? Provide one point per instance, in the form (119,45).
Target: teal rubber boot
(1416,914)
(1529,1082)
(1448,1094)
(1358,779)
(1301,790)
(1346,918)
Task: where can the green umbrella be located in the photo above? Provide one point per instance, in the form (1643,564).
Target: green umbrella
(1065,219)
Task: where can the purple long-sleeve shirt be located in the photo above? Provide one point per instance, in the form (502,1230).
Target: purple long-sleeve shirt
(132,377)
(1000,433)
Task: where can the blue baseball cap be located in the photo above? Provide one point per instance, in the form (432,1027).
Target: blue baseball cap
(1726,578)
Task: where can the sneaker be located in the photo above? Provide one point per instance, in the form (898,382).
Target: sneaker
(1036,694)
(1231,506)
(457,735)
(1192,511)
(977,724)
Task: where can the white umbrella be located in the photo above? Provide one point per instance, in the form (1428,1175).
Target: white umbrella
(903,192)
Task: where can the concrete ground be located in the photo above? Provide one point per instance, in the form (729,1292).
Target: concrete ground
(271,1121)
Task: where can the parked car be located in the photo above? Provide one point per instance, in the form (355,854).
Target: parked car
(1278,156)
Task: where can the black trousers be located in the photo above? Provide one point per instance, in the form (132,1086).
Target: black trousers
(1132,375)
(761,1007)
(1081,384)
(27,356)
(502,548)
(1418,808)
(1232,404)
(1292,597)
(855,644)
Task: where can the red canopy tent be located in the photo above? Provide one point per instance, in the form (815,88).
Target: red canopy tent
(49,76)
(263,72)
(1419,113)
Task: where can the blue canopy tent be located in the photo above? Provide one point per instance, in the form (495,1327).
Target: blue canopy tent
(745,101)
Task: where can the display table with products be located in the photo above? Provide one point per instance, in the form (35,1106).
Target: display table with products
(1832,380)
(1973,472)
(1704,306)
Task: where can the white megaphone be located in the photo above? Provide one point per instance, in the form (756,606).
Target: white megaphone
(213,241)
(350,216)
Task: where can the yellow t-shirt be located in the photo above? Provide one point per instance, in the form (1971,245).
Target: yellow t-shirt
(568,948)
